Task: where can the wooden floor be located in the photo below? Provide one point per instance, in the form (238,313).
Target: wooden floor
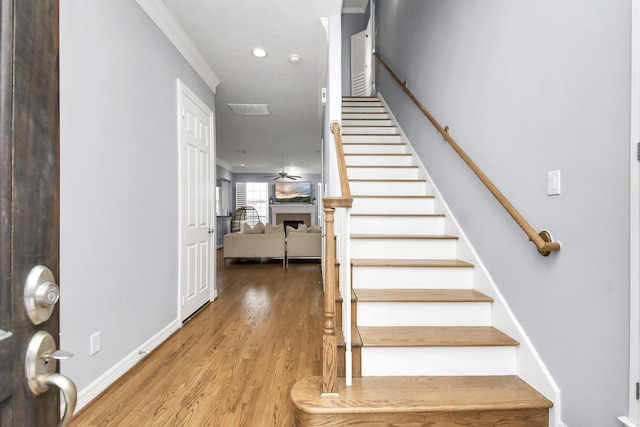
(234,363)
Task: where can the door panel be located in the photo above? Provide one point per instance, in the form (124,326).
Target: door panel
(29,193)
(197,198)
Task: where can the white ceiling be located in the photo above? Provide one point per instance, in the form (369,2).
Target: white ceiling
(225,32)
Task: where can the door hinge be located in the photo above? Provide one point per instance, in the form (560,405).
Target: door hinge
(637,391)
(638,151)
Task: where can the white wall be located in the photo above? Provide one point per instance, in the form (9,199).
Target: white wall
(529,87)
(333,108)
(119,181)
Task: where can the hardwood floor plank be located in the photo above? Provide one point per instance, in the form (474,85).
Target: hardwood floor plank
(234,362)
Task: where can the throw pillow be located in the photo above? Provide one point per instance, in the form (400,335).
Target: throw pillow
(302,228)
(314,229)
(258,228)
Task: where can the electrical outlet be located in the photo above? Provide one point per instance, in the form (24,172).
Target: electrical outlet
(94,343)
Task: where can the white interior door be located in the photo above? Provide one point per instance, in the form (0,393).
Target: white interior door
(197,175)
(362,62)
(358,82)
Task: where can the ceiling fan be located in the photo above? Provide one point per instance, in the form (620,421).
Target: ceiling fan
(283,174)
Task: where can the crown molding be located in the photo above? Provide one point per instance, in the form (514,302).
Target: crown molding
(224,164)
(162,17)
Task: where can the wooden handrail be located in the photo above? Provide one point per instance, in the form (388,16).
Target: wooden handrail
(542,240)
(342,166)
(329,340)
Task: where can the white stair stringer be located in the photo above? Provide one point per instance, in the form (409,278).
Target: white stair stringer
(406,223)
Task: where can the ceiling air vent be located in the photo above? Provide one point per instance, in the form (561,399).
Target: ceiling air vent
(250,109)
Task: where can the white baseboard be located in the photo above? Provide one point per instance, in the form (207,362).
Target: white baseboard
(627,422)
(90,392)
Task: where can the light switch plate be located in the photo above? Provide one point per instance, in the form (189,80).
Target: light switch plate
(94,344)
(553,183)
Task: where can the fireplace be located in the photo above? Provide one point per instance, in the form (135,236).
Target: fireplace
(294,212)
(293,219)
(292,223)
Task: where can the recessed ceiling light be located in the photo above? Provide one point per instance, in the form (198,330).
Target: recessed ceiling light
(259,52)
(294,58)
(241,164)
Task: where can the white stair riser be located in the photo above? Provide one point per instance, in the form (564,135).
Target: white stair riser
(374,122)
(363,109)
(363,148)
(373,103)
(372,138)
(388,188)
(348,130)
(364,160)
(412,278)
(383,173)
(424,313)
(392,205)
(376,116)
(438,361)
(404,248)
(430,225)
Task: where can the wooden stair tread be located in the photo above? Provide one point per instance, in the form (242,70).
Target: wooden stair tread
(373,262)
(421,295)
(356,341)
(339,297)
(420,394)
(404,236)
(434,336)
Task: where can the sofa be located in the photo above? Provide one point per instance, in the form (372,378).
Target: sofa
(304,242)
(255,242)
(267,241)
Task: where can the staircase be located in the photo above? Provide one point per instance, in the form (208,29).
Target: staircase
(425,348)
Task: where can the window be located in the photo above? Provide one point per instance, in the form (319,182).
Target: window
(254,194)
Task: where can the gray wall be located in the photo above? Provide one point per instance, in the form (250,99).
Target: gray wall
(529,87)
(119,180)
